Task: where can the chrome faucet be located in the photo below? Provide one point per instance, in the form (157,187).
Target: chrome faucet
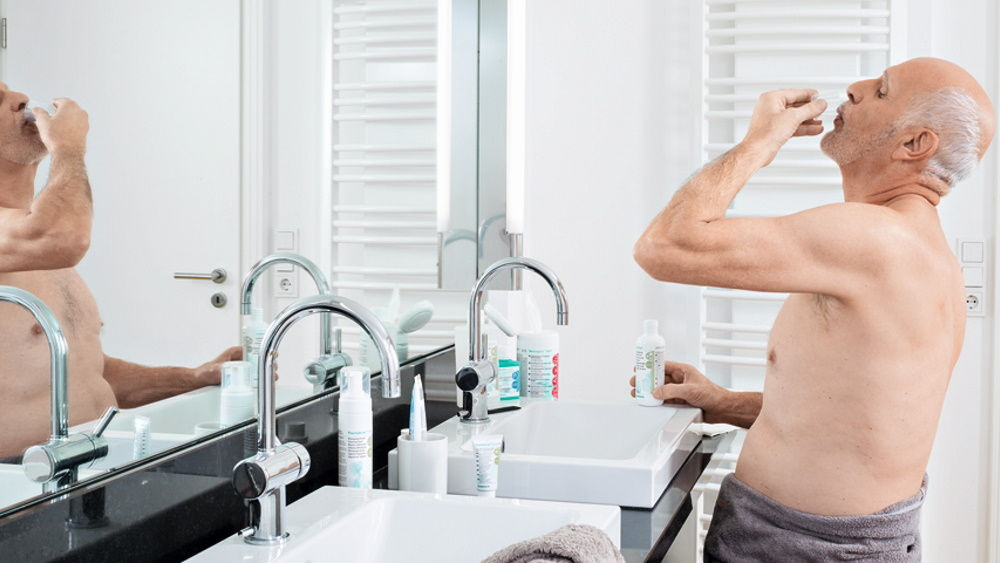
(331,360)
(474,377)
(56,463)
(263,477)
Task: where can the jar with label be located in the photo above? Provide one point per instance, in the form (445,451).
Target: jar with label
(538,356)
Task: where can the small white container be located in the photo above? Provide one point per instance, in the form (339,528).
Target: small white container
(538,356)
(237,397)
(649,352)
(140,445)
(423,464)
(354,428)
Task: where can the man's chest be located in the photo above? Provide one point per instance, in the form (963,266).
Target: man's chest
(63,292)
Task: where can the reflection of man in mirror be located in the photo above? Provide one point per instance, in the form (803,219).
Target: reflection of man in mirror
(41,240)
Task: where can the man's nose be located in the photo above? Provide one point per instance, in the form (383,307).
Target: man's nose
(854,93)
(18,101)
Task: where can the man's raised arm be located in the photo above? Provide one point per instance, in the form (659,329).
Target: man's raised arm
(823,250)
(54,232)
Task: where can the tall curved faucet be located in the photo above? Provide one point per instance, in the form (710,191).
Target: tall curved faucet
(473,378)
(263,477)
(329,362)
(56,462)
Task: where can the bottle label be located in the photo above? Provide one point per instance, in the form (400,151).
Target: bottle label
(509,380)
(355,464)
(540,372)
(648,371)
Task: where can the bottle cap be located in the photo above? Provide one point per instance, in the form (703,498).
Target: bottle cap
(356,380)
(651,326)
(541,339)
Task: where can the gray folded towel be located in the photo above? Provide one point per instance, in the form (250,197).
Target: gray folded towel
(573,543)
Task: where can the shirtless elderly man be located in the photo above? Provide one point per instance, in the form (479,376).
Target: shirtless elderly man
(860,356)
(41,240)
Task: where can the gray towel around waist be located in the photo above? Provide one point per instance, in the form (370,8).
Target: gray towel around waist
(749,526)
(573,543)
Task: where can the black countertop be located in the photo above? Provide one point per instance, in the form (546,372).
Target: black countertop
(179,505)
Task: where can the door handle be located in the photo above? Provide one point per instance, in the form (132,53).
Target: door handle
(217,275)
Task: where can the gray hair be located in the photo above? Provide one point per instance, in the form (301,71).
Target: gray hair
(954,116)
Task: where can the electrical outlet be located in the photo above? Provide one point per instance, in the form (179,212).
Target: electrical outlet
(286,284)
(975,303)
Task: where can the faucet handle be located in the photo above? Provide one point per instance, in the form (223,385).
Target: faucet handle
(45,462)
(472,380)
(256,476)
(104,421)
(338,338)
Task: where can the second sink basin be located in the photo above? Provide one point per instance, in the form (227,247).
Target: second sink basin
(582,451)
(363,526)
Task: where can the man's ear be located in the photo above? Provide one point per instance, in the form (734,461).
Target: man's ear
(918,144)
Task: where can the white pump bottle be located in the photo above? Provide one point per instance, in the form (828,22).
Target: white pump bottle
(354,428)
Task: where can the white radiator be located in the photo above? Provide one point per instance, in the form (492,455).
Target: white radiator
(382,209)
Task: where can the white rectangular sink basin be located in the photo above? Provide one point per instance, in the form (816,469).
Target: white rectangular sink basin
(180,414)
(121,447)
(580,451)
(172,422)
(15,488)
(362,526)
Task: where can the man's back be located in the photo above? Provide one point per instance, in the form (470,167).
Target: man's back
(854,388)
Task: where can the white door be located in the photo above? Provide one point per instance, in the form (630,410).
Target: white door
(161,82)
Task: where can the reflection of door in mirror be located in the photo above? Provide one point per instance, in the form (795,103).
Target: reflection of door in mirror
(162,90)
(163,159)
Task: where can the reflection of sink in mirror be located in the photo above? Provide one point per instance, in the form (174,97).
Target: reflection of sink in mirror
(16,488)
(584,451)
(180,414)
(121,447)
(376,525)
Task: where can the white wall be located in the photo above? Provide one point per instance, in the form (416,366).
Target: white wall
(296,178)
(602,102)
(955,515)
(611,104)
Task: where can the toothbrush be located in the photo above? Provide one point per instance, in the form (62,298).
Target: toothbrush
(418,413)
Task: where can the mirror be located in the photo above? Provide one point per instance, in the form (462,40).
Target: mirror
(214,141)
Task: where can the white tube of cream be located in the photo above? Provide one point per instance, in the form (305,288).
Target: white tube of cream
(487,451)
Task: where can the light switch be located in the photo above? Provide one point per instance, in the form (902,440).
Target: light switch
(973,251)
(285,241)
(973,276)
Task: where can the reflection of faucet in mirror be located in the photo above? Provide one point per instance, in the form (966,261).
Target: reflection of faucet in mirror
(474,377)
(56,462)
(264,476)
(331,360)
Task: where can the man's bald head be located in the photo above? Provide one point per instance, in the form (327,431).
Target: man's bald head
(928,75)
(926,116)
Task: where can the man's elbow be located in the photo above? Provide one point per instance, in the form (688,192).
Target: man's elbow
(654,256)
(77,247)
(68,248)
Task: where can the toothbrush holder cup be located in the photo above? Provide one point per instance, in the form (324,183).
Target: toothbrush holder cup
(423,464)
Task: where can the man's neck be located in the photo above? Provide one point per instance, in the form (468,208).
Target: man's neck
(865,185)
(17,184)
